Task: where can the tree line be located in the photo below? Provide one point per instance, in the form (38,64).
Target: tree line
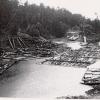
(40,20)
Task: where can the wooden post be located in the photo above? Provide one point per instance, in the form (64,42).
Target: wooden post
(10,43)
(13,43)
(85,39)
(22,41)
(19,42)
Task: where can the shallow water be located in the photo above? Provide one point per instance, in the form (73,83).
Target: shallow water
(27,79)
(74,45)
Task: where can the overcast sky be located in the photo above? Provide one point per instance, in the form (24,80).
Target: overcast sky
(87,8)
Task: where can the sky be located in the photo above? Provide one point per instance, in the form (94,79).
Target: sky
(88,8)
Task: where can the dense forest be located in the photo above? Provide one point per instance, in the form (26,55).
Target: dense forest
(42,20)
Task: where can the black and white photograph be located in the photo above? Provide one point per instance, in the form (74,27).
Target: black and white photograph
(50,49)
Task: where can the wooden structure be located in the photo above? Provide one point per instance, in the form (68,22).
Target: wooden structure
(73,35)
(92,74)
(12,42)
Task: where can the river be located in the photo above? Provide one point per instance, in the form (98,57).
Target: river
(28,79)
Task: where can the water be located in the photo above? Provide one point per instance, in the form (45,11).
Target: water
(27,79)
(74,45)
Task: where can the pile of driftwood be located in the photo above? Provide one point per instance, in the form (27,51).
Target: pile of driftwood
(43,49)
(37,48)
(8,59)
(81,58)
(5,64)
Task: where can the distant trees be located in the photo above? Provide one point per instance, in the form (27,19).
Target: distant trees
(41,20)
(7,10)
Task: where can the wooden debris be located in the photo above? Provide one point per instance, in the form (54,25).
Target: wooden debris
(38,49)
(92,74)
(82,57)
